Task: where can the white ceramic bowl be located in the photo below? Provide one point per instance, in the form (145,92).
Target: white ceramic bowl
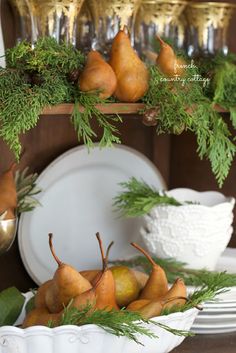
(196,234)
(91,338)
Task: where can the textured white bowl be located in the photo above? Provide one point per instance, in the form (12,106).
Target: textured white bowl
(196,234)
(92,339)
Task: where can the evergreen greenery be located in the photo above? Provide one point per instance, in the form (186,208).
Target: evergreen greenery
(182,105)
(138,198)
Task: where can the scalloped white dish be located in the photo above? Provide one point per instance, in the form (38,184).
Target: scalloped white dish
(204,227)
(92,339)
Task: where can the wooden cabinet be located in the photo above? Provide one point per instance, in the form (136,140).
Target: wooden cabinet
(175,156)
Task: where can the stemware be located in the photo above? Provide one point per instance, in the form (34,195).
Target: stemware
(207,29)
(162,17)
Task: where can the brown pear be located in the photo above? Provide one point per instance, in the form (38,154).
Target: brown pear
(131,73)
(39,299)
(176,295)
(126,285)
(66,284)
(167,61)
(141,277)
(157,284)
(151,309)
(40,316)
(90,274)
(105,289)
(137,304)
(97,76)
(8,194)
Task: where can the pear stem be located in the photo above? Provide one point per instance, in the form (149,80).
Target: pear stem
(59,262)
(160,40)
(102,251)
(150,259)
(108,251)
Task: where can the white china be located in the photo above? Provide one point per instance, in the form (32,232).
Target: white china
(195,233)
(91,338)
(219,316)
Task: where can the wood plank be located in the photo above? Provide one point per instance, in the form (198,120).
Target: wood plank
(113,108)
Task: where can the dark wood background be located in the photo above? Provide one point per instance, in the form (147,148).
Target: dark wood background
(175,156)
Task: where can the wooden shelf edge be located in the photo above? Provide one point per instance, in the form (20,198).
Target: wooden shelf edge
(113,108)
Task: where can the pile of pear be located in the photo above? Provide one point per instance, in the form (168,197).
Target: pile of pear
(8,194)
(125,76)
(110,288)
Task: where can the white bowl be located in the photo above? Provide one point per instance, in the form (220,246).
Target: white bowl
(196,234)
(91,338)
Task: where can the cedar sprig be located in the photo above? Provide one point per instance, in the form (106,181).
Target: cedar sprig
(119,323)
(185,107)
(138,198)
(83,120)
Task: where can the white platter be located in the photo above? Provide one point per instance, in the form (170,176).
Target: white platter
(78,191)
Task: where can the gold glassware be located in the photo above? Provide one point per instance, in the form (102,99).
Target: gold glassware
(109,16)
(7,234)
(162,17)
(208,25)
(26,27)
(57,18)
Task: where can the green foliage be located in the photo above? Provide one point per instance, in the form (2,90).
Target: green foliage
(11,303)
(46,55)
(39,77)
(138,198)
(119,323)
(27,189)
(183,106)
(211,286)
(21,103)
(82,120)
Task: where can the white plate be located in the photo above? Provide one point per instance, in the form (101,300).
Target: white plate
(215,326)
(78,191)
(214,319)
(212,330)
(218,310)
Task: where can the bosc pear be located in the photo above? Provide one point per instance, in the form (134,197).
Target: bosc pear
(66,284)
(97,76)
(105,288)
(167,61)
(157,284)
(176,295)
(131,73)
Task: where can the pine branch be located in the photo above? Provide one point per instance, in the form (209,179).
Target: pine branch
(82,121)
(138,198)
(119,323)
(187,108)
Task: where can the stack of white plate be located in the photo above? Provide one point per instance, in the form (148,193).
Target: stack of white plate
(219,316)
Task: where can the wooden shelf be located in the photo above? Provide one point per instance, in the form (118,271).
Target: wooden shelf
(113,108)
